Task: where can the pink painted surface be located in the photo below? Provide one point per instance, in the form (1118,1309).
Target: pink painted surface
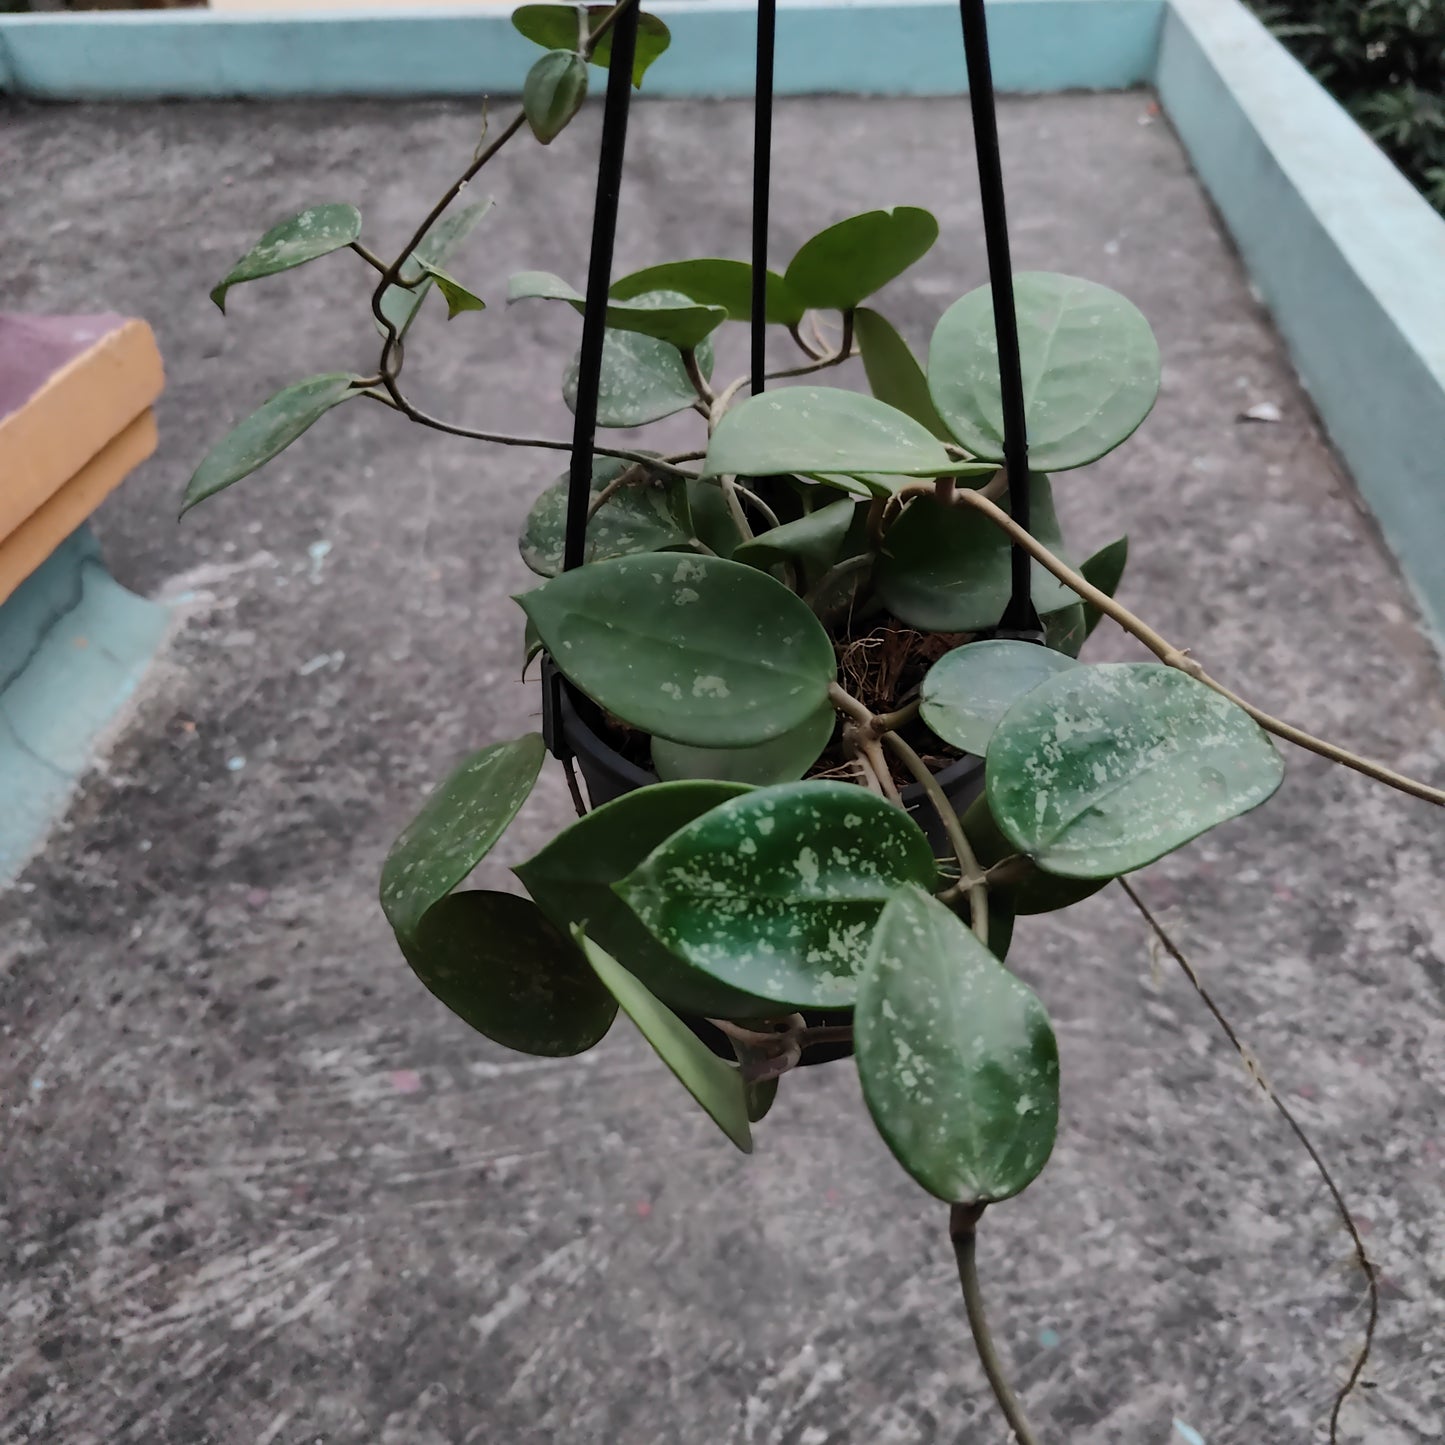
(34,348)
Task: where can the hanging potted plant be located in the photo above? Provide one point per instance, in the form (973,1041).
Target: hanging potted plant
(820,672)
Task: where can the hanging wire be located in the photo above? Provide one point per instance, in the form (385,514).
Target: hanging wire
(1020,615)
(762,184)
(599,278)
(594,334)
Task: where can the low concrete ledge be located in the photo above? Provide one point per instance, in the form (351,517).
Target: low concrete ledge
(1348,256)
(892,47)
(73,646)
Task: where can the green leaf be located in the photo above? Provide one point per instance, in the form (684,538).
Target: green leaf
(1065,629)
(1105,569)
(642,380)
(715,282)
(1107,767)
(572,877)
(760,1096)
(1027,889)
(694,649)
(554,27)
(267,432)
(821,430)
(553,93)
(716,1085)
(648,518)
(848,262)
(457,297)
(776,892)
(496,962)
(399,304)
(949,569)
(316,231)
(681,322)
(783,760)
(893,375)
(1090,370)
(712,522)
(815,539)
(457,825)
(958,1062)
(967,691)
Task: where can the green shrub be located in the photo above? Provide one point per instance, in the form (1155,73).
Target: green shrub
(1384,61)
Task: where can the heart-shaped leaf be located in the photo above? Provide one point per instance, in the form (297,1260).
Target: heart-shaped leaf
(848,262)
(949,569)
(694,649)
(893,375)
(967,691)
(1025,889)
(646,518)
(553,93)
(457,825)
(496,962)
(777,891)
(680,322)
(457,297)
(316,231)
(555,27)
(1105,768)
(399,304)
(713,281)
(1105,569)
(783,760)
(815,539)
(572,877)
(267,432)
(958,1062)
(1090,370)
(821,430)
(716,1085)
(643,380)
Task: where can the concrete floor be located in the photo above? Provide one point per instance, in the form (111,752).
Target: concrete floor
(257,1188)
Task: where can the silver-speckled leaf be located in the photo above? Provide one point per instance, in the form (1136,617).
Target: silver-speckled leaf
(646,518)
(316,231)
(958,1062)
(643,379)
(777,891)
(783,760)
(1105,768)
(461,819)
(967,691)
(694,649)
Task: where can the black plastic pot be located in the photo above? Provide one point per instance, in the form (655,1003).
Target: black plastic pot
(609,775)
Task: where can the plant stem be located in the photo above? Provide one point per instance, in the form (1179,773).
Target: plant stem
(1179,658)
(837,358)
(397,402)
(963,1232)
(735,508)
(369,256)
(695,376)
(1361,1256)
(971,879)
(770,516)
(873,751)
(803,345)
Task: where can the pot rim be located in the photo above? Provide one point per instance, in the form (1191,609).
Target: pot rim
(574,722)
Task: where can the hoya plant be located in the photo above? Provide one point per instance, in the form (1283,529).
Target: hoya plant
(822,780)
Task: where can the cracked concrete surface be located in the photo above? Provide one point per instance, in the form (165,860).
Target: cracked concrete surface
(257,1186)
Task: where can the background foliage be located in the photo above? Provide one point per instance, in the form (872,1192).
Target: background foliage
(1384,61)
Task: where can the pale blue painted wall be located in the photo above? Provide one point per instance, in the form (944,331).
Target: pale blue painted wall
(895,47)
(1346,253)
